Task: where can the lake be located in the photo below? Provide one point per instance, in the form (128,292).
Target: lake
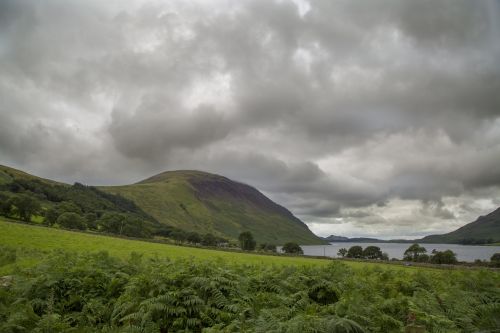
(396,250)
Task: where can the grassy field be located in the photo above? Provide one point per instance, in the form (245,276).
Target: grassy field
(32,237)
(37,240)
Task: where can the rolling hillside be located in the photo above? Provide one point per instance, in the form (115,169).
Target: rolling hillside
(187,200)
(203,202)
(484,228)
(8,174)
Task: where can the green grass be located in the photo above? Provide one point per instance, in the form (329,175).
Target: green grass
(34,237)
(8,173)
(36,241)
(172,200)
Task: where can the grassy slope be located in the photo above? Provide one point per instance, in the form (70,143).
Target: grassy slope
(172,199)
(36,240)
(8,173)
(162,196)
(4,177)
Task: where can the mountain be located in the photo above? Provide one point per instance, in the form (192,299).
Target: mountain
(483,230)
(187,200)
(333,238)
(486,229)
(204,202)
(340,239)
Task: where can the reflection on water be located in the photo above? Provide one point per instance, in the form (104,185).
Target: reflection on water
(396,250)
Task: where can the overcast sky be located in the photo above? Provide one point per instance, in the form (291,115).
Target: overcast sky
(364,118)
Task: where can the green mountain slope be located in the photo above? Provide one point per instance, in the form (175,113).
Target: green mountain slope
(483,229)
(203,202)
(8,174)
(33,199)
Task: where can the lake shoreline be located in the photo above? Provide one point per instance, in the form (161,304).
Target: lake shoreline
(466,253)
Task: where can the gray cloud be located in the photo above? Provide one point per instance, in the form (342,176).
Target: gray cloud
(344,112)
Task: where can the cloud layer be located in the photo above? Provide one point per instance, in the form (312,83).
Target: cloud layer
(365,119)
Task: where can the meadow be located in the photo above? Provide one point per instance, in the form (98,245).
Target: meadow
(37,240)
(43,239)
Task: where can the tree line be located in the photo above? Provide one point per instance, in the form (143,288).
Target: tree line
(414,253)
(357,252)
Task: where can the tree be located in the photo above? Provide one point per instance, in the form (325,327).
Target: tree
(54,212)
(134,227)
(91,219)
(267,247)
(51,216)
(355,251)
(247,243)
(193,238)
(69,207)
(71,221)
(423,258)
(26,206)
(5,205)
(178,235)
(209,240)
(443,257)
(112,223)
(164,231)
(292,248)
(495,259)
(413,252)
(221,241)
(342,252)
(372,252)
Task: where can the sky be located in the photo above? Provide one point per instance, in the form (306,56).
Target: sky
(364,118)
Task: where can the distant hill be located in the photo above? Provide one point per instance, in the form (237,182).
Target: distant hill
(333,238)
(204,202)
(483,230)
(340,239)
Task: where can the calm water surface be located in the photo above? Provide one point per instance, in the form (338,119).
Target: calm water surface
(396,250)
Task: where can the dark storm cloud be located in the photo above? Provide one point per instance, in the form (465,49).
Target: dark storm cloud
(155,127)
(353,113)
